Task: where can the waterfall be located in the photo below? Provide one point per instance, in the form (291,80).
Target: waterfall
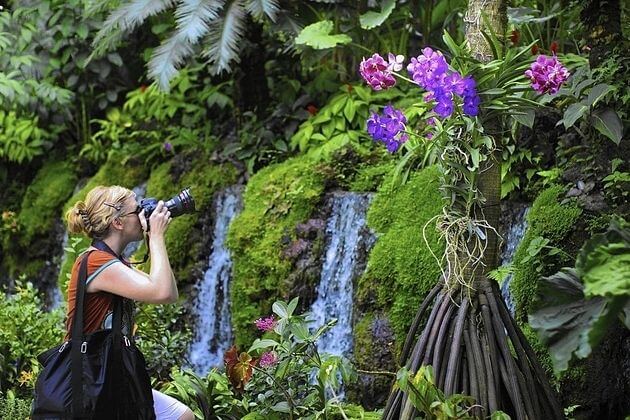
(346,237)
(213,330)
(516,224)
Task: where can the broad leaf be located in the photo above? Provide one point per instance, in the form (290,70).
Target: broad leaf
(566,328)
(573,113)
(526,117)
(317,35)
(604,261)
(262,344)
(607,122)
(597,93)
(373,19)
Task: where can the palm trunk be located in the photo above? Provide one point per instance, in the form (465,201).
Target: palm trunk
(470,339)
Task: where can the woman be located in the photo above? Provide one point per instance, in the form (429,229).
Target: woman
(112,217)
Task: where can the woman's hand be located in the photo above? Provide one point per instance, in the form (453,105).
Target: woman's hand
(159,220)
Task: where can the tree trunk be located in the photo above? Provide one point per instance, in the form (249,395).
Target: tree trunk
(470,339)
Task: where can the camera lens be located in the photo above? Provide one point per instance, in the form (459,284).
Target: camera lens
(182,203)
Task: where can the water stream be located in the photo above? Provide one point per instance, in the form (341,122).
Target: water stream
(347,239)
(213,330)
(516,225)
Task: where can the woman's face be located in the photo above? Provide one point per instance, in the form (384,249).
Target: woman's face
(129,216)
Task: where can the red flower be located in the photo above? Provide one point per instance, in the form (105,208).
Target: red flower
(534,49)
(515,36)
(554,47)
(312,109)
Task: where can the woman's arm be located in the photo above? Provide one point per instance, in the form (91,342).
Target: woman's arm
(159,285)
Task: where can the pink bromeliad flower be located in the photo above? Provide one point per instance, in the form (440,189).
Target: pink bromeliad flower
(266,324)
(268,358)
(377,72)
(547,74)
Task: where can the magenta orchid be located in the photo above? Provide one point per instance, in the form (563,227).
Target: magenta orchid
(547,74)
(376,72)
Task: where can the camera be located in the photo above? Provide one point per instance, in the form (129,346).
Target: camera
(182,203)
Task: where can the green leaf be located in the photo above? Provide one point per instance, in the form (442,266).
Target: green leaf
(262,344)
(280,308)
(597,93)
(292,305)
(526,118)
(566,327)
(371,19)
(282,407)
(604,261)
(349,110)
(82,30)
(573,113)
(607,122)
(317,36)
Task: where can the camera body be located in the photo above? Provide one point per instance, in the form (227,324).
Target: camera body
(182,203)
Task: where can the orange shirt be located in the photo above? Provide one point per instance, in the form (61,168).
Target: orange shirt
(96,306)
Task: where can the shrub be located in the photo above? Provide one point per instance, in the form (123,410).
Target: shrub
(26,330)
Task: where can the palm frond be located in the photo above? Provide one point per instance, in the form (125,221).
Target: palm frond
(126,18)
(224,36)
(194,16)
(260,8)
(167,58)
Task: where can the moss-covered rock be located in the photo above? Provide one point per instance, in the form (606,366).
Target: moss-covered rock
(551,220)
(374,342)
(30,249)
(276,200)
(401,268)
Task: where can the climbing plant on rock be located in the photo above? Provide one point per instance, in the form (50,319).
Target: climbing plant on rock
(469,338)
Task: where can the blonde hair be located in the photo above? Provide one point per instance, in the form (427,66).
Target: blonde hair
(93,216)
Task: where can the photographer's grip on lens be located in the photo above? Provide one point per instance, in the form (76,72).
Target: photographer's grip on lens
(182,203)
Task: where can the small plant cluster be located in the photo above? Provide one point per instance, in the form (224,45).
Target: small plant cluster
(26,330)
(283,375)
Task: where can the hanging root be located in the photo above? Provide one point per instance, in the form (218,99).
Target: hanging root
(476,349)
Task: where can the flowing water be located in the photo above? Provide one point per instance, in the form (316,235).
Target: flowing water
(347,240)
(516,226)
(213,331)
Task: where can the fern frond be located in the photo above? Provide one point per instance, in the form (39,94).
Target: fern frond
(193,17)
(224,36)
(166,59)
(126,18)
(260,8)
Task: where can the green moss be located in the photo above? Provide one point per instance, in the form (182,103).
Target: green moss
(276,199)
(41,204)
(370,177)
(363,343)
(549,219)
(43,199)
(401,269)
